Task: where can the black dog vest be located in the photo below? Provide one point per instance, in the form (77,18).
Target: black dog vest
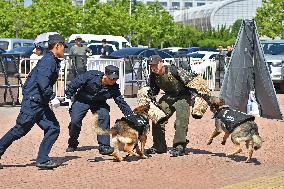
(232,118)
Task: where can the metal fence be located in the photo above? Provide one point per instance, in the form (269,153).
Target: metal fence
(134,72)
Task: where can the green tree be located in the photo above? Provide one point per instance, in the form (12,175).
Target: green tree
(235,28)
(270,17)
(53,15)
(12,22)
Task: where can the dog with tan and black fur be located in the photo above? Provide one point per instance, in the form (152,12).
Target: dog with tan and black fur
(124,137)
(239,125)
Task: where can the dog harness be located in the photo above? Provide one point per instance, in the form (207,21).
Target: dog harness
(232,118)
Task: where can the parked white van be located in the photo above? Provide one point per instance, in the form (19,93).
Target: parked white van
(10,43)
(119,41)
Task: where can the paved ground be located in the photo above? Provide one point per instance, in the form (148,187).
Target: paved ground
(203,167)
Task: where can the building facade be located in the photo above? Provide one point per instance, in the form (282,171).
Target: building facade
(223,13)
(205,14)
(170,5)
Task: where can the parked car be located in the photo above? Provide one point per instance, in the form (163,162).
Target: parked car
(67,50)
(201,56)
(119,41)
(24,54)
(2,51)
(274,55)
(8,44)
(97,48)
(202,60)
(172,49)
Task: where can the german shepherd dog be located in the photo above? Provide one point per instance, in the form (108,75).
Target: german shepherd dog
(246,131)
(124,137)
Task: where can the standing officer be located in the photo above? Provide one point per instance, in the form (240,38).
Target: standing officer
(176,98)
(90,91)
(37,92)
(78,53)
(105,48)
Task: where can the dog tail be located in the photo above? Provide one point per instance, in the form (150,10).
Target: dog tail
(257,141)
(97,130)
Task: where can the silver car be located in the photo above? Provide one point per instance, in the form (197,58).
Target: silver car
(274,55)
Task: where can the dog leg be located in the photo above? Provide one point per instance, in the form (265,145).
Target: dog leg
(129,149)
(214,134)
(239,149)
(143,140)
(249,144)
(225,137)
(116,153)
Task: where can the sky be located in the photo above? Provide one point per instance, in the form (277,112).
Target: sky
(28,2)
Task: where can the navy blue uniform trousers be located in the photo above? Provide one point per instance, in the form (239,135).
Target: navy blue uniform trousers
(45,118)
(78,111)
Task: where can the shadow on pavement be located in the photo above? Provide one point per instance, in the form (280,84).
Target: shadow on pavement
(237,158)
(60,160)
(111,158)
(86,148)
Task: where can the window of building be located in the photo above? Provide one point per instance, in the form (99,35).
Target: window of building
(200,4)
(188,4)
(176,5)
(150,2)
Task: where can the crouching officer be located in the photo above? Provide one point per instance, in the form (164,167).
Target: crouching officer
(37,93)
(90,92)
(176,99)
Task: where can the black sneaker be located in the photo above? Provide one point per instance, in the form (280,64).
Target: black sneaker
(153,150)
(70,149)
(47,165)
(105,149)
(177,152)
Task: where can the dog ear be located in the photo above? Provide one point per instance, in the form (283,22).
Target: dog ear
(138,109)
(142,108)
(222,102)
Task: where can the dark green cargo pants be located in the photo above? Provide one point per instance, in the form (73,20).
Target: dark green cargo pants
(170,104)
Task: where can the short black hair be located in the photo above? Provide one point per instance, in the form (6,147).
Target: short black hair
(51,46)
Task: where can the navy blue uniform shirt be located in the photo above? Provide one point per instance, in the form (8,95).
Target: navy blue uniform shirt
(39,84)
(88,88)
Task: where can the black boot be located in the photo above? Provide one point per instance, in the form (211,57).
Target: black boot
(153,150)
(47,165)
(179,149)
(105,149)
(71,149)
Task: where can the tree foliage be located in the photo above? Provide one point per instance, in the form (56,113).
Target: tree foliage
(149,25)
(270,18)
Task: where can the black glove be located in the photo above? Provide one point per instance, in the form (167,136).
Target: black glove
(150,95)
(139,122)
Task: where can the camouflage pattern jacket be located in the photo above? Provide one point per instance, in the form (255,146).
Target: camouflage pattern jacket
(173,82)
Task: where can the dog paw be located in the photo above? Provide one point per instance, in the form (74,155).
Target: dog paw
(223,142)
(248,160)
(143,157)
(229,154)
(118,159)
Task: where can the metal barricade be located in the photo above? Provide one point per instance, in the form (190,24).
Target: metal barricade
(100,64)
(220,71)
(134,72)
(10,79)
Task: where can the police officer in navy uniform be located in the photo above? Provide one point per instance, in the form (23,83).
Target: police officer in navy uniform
(37,93)
(90,91)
